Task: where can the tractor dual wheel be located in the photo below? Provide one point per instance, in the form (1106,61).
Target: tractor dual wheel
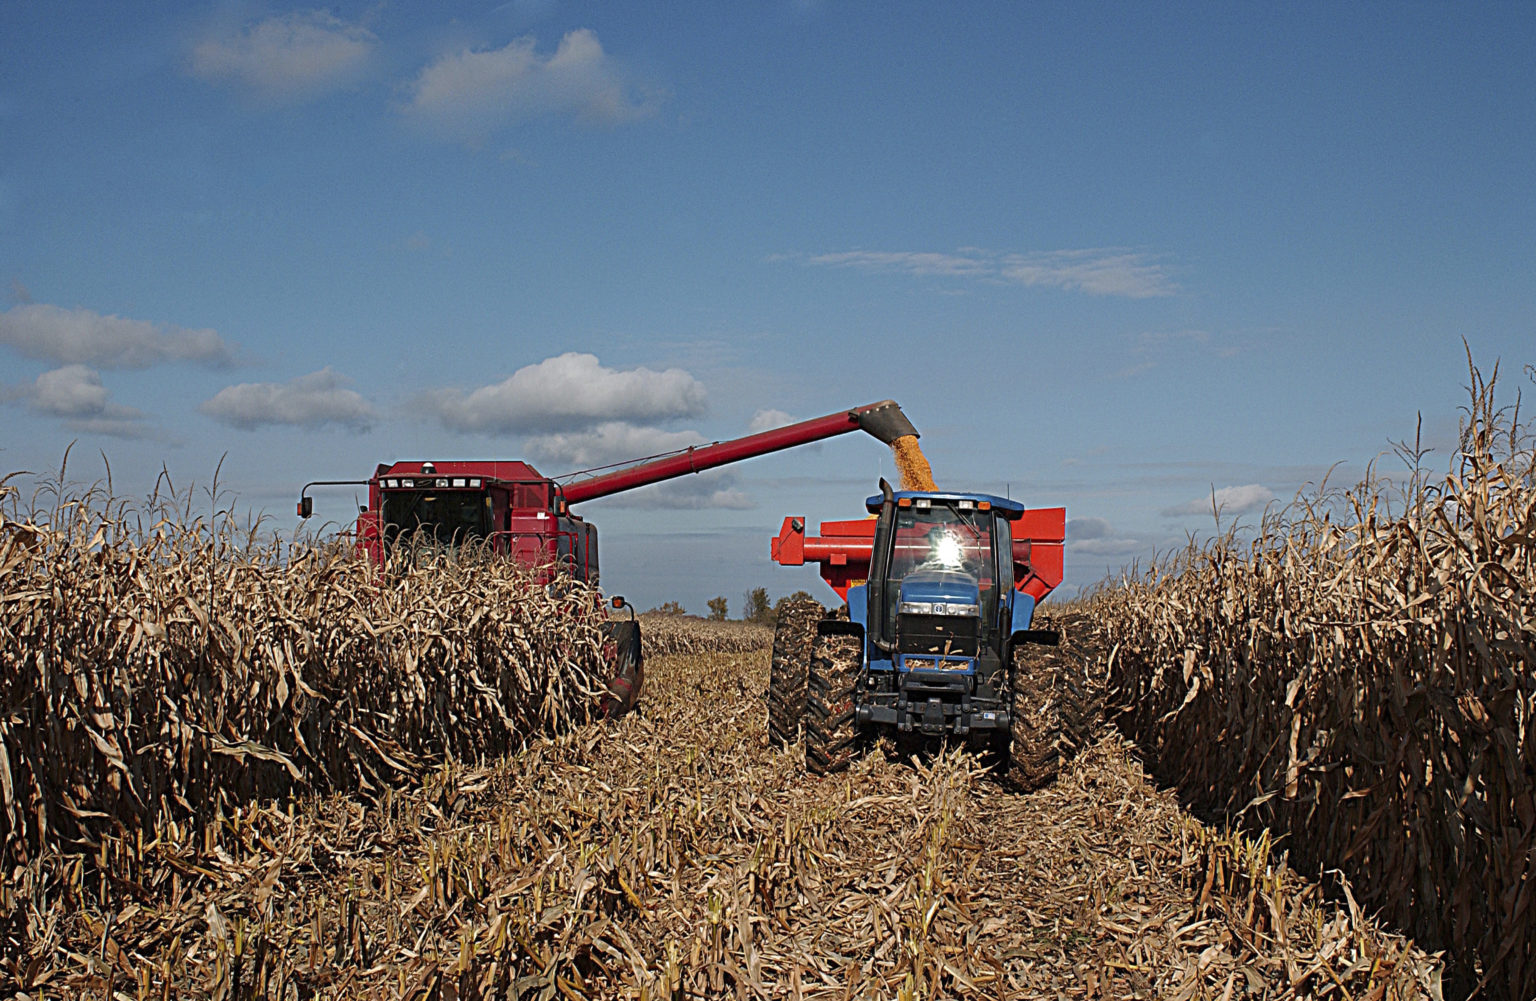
(1051,720)
(832,738)
(788,669)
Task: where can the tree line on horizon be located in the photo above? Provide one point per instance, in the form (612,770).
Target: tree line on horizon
(756,606)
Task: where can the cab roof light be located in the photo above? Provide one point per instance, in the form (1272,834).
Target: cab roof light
(903,502)
(984,505)
(923,503)
(967,505)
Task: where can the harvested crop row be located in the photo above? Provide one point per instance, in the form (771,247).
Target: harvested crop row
(1365,686)
(175,671)
(664,634)
(674,854)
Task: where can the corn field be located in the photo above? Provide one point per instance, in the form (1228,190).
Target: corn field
(1360,678)
(674,854)
(161,669)
(687,634)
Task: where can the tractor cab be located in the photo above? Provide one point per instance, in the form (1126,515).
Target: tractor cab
(940,597)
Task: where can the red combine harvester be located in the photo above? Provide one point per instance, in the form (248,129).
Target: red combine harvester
(516,511)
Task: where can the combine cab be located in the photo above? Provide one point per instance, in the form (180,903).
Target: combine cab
(941,590)
(513,510)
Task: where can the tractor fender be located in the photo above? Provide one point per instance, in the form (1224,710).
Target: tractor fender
(1023,612)
(858,605)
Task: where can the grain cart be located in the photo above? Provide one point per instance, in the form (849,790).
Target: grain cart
(515,511)
(934,643)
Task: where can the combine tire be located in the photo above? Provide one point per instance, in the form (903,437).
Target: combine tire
(621,648)
(831,735)
(1030,754)
(792,637)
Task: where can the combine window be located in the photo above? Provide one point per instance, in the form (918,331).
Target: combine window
(445,517)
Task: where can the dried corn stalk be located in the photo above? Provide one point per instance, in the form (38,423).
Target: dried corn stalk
(156,667)
(1366,684)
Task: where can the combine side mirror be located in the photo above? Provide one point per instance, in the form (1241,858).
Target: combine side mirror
(306,506)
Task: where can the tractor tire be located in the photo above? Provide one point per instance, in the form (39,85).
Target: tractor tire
(626,666)
(788,668)
(1029,755)
(832,738)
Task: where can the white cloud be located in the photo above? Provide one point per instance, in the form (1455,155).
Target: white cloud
(1228,500)
(609,442)
(1088,528)
(472,93)
(767,420)
(287,57)
(83,337)
(1097,271)
(75,393)
(569,392)
(310,401)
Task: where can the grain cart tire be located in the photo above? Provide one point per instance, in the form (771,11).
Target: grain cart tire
(831,733)
(626,664)
(793,634)
(1030,753)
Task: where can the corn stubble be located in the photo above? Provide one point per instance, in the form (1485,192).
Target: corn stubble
(1359,678)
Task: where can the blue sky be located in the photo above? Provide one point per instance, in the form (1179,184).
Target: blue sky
(1108,256)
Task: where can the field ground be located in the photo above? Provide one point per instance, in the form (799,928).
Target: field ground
(674,854)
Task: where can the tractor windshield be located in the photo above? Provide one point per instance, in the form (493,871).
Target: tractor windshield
(443,517)
(940,536)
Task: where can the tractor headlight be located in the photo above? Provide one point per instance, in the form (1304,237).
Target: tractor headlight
(938,608)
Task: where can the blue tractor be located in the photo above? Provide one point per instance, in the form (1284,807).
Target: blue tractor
(936,642)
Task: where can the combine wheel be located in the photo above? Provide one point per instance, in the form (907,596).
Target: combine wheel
(621,648)
(831,735)
(792,638)
(1030,753)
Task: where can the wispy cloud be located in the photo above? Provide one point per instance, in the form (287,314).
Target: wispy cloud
(714,489)
(1152,348)
(471,93)
(1227,501)
(83,337)
(1111,271)
(310,401)
(569,392)
(289,57)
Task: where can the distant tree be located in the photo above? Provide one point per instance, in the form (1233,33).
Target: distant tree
(717,609)
(778,606)
(668,608)
(757,608)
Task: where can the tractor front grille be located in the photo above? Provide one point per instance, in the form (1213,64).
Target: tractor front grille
(938,635)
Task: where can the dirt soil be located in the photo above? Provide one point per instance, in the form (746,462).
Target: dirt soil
(675,854)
